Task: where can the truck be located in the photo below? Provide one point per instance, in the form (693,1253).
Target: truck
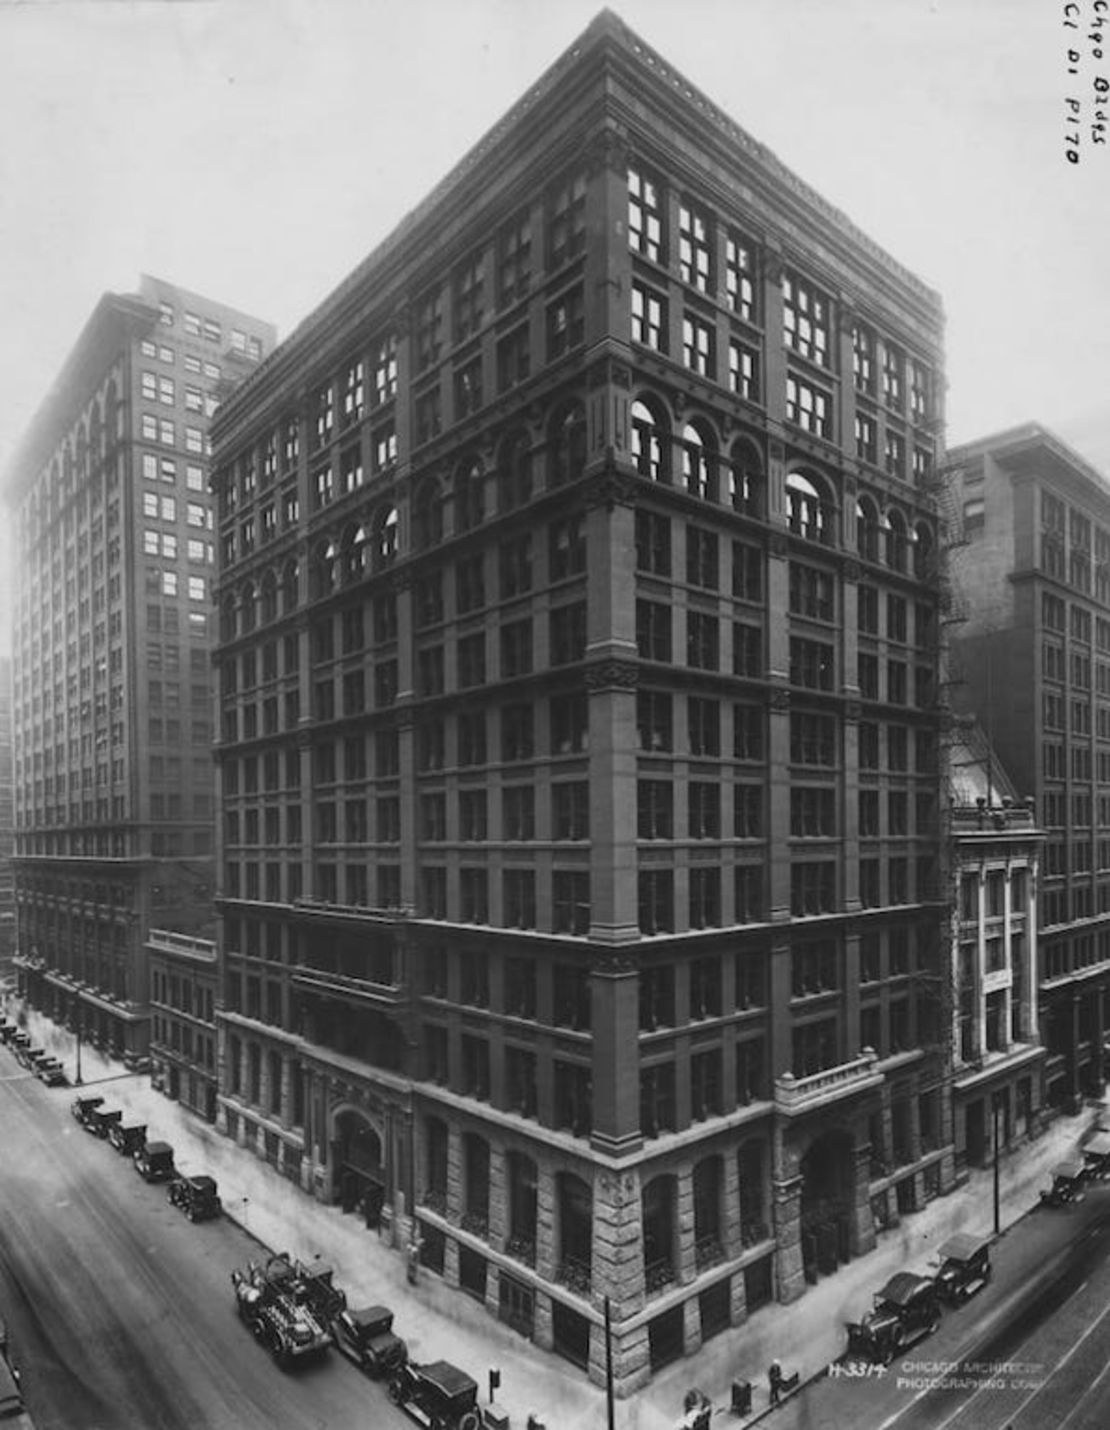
(313,1285)
(277,1312)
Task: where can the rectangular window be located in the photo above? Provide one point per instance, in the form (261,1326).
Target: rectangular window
(645,215)
(699,346)
(566,220)
(514,260)
(653,630)
(740,283)
(695,247)
(649,322)
(702,641)
(467,297)
(808,406)
(805,319)
(566,324)
(513,358)
(743,370)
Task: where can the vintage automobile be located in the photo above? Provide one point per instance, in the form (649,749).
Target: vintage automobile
(437,1394)
(197,1197)
(11,1394)
(51,1072)
(84,1107)
(366,1337)
(965,1267)
(1067,1184)
(30,1057)
(101,1120)
(1096,1157)
(154,1162)
(312,1285)
(905,1310)
(127,1137)
(7,1030)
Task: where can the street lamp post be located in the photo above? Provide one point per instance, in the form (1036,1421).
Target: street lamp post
(77,1073)
(996,1109)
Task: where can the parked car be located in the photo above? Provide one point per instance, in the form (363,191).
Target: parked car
(102,1119)
(965,1267)
(51,1072)
(1096,1157)
(84,1107)
(19,1039)
(154,1162)
(11,1394)
(7,1028)
(905,1310)
(437,1394)
(29,1056)
(366,1337)
(127,1137)
(1067,1184)
(197,1197)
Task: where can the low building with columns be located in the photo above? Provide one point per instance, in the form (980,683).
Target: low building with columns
(1031,655)
(583,889)
(998,1059)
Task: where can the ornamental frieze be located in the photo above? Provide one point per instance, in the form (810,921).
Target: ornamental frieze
(612,675)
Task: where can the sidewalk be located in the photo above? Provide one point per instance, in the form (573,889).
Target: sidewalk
(440,1323)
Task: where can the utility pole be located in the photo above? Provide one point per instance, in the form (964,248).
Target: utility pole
(995,1107)
(609,1402)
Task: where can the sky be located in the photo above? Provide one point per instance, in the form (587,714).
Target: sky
(256,150)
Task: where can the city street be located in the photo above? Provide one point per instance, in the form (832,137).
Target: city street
(1027,1352)
(121,1312)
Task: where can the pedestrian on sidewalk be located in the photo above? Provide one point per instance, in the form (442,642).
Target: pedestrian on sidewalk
(774,1377)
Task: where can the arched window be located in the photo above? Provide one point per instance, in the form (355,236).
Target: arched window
(96,434)
(353,546)
(658,1213)
(475,1184)
(522,1182)
(385,536)
(566,446)
(428,515)
(514,472)
(227,618)
(435,1163)
(469,506)
(808,509)
(248,607)
(269,598)
(747,488)
(649,442)
(82,453)
(867,529)
(896,540)
(576,1214)
(321,571)
(708,1180)
(290,580)
(699,462)
(113,413)
(922,550)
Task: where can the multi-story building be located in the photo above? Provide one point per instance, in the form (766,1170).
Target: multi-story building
(578,655)
(998,1058)
(112,650)
(7,825)
(184,980)
(1033,650)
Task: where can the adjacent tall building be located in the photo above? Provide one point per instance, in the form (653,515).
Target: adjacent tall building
(581,879)
(1033,654)
(112,642)
(7,825)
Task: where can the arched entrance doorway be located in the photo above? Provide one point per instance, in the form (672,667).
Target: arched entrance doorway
(828,1196)
(359,1170)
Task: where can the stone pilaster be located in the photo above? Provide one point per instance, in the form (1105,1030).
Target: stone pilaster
(786,1213)
(691,1326)
(686,1261)
(617,1250)
(287,1092)
(451,1263)
(493,1289)
(454,1175)
(737,1299)
(545,1225)
(543,1332)
(498,1204)
(730,1208)
(863,1223)
(631,1357)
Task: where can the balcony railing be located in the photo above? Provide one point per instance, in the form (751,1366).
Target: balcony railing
(365,990)
(657,1274)
(793,1094)
(575,1275)
(523,1249)
(708,1251)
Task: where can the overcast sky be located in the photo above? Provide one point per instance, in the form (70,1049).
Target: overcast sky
(255,150)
